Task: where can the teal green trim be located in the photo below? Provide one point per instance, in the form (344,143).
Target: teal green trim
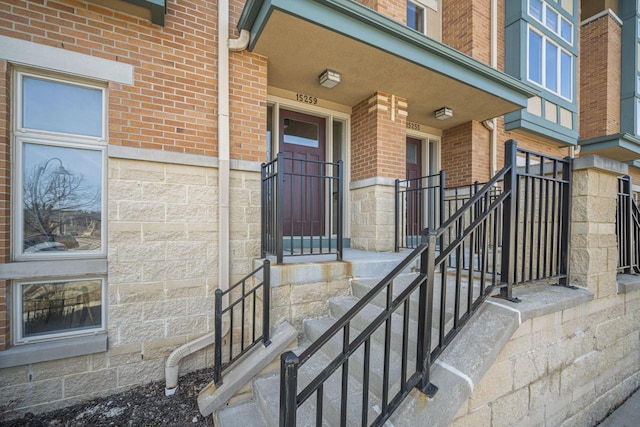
(620,140)
(360,23)
(158,9)
(634,163)
(525,121)
(629,95)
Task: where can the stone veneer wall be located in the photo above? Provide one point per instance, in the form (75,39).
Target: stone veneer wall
(163,252)
(372,218)
(573,366)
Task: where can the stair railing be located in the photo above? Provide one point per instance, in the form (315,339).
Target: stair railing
(534,201)
(244,309)
(627,228)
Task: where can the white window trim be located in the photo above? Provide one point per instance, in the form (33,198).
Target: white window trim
(17,332)
(546,40)
(22,136)
(419,3)
(560,18)
(19,339)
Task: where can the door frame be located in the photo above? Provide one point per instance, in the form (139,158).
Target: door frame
(337,113)
(428,163)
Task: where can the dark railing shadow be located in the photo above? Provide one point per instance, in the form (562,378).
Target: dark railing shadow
(627,228)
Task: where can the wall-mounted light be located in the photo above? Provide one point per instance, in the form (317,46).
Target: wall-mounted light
(443,113)
(329,79)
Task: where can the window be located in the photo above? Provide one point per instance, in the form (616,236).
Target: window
(49,309)
(60,159)
(549,64)
(59,204)
(417,17)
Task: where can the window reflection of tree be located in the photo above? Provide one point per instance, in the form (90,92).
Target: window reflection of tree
(54,195)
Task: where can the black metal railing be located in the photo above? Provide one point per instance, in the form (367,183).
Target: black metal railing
(446,297)
(627,228)
(419,204)
(302,208)
(242,308)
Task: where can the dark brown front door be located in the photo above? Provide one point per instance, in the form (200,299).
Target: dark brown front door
(414,195)
(302,141)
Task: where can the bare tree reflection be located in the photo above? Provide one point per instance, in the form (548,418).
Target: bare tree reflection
(52,195)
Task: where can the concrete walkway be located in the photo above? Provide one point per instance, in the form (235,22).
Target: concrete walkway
(627,415)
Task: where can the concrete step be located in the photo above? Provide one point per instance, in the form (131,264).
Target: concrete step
(211,397)
(314,328)
(243,414)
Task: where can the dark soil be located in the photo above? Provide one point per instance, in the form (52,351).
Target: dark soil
(144,406)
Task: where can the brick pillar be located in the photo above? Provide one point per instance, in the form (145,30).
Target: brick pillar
(600,50)
(465,154)
(594,251)
(378,146)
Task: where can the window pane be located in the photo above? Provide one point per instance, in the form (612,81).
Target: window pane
(61,199)
(415,17)
(535,9)
(61,107)
(535,57)
(301,133)
(58,307)
(551,20)
(565,74)
(551,67)
(565,30)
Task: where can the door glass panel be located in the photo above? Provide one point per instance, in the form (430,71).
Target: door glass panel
(412,153)
(269,132)
(301,133)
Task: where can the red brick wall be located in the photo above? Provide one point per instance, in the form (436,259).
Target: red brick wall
(600,47)
(466,26)
(465,154)
(5,208)
(378,144)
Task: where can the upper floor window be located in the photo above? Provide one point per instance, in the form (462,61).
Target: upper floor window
(417,16)
(549,63)
(60,168)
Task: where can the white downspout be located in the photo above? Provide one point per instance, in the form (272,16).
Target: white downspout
(224,45)
(493,161)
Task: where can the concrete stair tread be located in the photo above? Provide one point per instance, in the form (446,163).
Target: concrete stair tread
(211,397)
(242,414)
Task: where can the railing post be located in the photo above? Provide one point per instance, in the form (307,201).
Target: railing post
(509,221)
(217,354)
(266,301)
(397,216)
(340,208)
(279,202)
(565,247)
(263,211)
(425,313)
(289,364)
(627,215)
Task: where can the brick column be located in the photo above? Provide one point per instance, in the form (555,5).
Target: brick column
(594,251)
(378,158)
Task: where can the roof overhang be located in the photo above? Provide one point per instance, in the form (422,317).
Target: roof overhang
(301,38)
(622,147)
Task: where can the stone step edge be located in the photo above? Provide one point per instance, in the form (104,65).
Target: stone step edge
(212,398)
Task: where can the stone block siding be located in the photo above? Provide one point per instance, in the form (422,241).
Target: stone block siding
(601,43)
(373,218)
(568,368)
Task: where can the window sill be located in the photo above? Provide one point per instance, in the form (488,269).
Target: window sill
(53,350)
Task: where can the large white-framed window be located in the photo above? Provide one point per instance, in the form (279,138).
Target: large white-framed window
(60,168)
(53,309)
(549,64)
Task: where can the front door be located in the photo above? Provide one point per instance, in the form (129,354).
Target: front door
(415,202)
(302,142)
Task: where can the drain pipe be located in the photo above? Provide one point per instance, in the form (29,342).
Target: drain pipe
(224,45)
(493,149)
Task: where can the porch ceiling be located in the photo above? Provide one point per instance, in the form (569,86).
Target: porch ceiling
(302,38)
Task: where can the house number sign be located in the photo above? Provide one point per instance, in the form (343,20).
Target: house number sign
(307,99)
(413,126)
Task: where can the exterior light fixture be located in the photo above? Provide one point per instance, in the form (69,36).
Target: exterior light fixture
(443,113)
(329,79)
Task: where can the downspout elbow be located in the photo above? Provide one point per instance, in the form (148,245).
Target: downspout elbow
(241,43)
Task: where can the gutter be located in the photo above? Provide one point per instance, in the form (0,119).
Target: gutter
(225,44)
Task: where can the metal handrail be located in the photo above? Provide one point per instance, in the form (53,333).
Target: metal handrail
(474,235)
(627,228)
(247,299)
